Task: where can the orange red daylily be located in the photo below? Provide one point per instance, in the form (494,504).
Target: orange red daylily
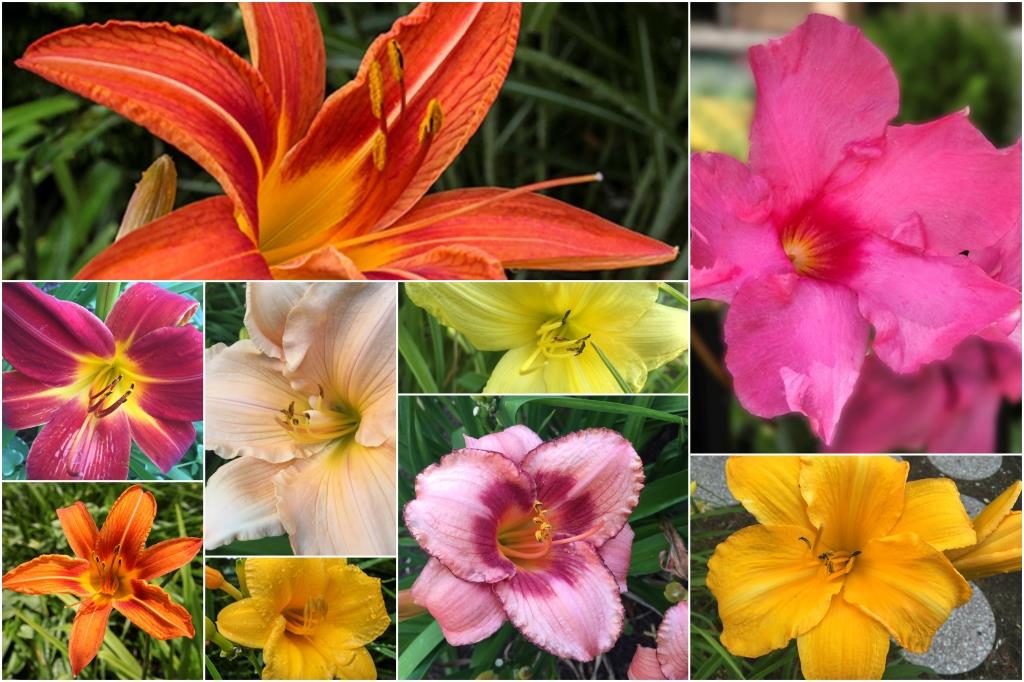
(320,189)
(111,569)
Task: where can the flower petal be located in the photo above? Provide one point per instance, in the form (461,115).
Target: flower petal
(617,553)
(846,645)
(795,344)
(661,335)
(266,309)
(245,394)
(520,231)
(357,614)
(288,49)
(907,586)
(853,499)
(588,481)
(241,503)
(514,442)
(506,378)
(48,574)
(325,262)
(200,241)
(454,55)
(181,85)
(243,622)
(167,556)
(769,588)
(170,359)
(455,261)
(733,238)
(824,97)
(127,526)
(910,329)
(992,515)
(963,195)
(287,656)
(164,441)
(151,609)
(468,489)
(570,608)
(144,307)
(644,665)
(45,338)
(467,612)
(28,402)
(361,666)
(932,509)
(340,502)
(75,445)
(87,633)
(588,373)
(769,488)
(999,552)
(674,642)
(79,528)
(491,315)
(341,338)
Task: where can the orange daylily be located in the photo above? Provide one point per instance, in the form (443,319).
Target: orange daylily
(111,569)
(321,189)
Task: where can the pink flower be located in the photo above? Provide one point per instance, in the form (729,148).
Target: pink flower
(841,223)
(97,386)
(671,659)
(529,531)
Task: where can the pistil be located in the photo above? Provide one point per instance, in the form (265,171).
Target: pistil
(553,343)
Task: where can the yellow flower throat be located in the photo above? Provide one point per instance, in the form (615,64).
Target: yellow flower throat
(322,421)
(553,342)
(834,563)
(304,621)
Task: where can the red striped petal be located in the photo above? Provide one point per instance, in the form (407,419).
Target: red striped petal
(198,241)
(87,632)
(178,83)
(75,445)
(167,556)
(164,441)
(48,574)
(44,337)
(444,262)
(28,402)
(171,360)
(288,48)
(79,528)
(151,609)
(127,525)
(456,55)
(144,307)
(522,231)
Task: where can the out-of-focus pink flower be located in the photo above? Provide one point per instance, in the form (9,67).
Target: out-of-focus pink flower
(529,531)
(670,660)
(841,222)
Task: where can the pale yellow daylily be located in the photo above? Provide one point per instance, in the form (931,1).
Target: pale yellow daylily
(312,617)
(998,549)
(846,554)
(552,331)
(305,409)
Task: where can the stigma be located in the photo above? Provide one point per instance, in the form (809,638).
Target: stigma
(554,341)
(321,422)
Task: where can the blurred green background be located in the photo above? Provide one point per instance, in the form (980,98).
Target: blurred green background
(437,359)
(246,664)
(16,444)
(591,88)
(431,427)
(946,57)
(37,627)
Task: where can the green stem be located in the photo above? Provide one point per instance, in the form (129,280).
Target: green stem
(611,368)
(675,293)
(106,296)
(213,635)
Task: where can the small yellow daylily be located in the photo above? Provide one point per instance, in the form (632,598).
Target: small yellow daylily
(846,554)
(999,538)
(312,617)
(553,332)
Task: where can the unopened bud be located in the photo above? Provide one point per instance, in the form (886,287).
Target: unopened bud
(153,196)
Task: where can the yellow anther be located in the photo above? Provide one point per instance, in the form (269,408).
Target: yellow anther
(380,150)
(397,60)
(433,121)
(376,89)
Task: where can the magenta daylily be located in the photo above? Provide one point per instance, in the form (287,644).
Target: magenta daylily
(529,531)
(671,659)
(841,223)
(98,386)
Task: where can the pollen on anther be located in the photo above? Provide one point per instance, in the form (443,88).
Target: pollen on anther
(397,59)
(433,121)
(376,78)
(380,150)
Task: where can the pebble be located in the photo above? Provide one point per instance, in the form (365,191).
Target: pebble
(964,641)
(967,467)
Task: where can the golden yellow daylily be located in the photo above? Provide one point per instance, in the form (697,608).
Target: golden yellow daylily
(553,331)
(998,548)
(846,554)
(312,617)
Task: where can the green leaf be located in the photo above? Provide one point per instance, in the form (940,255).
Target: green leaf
(661,494)
(623,385)
(418,650)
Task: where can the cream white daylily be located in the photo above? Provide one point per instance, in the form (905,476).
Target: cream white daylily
(305,411)
(552,331)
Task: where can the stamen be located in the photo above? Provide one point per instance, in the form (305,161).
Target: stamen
(106,390)
(110,409)
(380,150)
(433,121)
(582,536)
(376,83)
(397,60)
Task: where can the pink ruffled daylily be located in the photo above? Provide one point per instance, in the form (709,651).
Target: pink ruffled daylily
(529,531)
(98,386)
(841,223)
(671,660)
